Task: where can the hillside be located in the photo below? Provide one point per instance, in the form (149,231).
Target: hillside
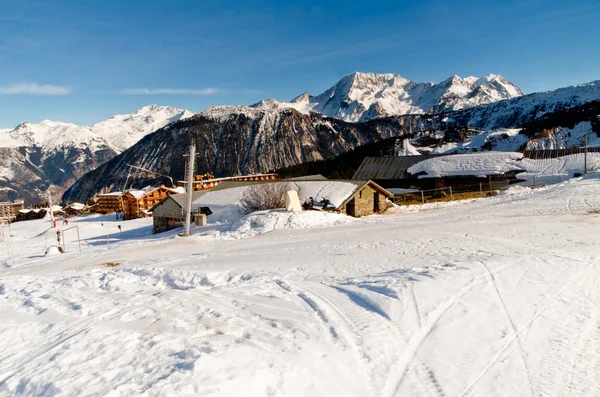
(487,297)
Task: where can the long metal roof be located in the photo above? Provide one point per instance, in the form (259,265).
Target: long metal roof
(554,153)
(388,167)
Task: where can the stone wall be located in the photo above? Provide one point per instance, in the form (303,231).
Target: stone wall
(160,224)
(363,203)
(163,224)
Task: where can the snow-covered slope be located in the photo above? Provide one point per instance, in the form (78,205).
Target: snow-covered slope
(491,297)
(363,96)
(53,154)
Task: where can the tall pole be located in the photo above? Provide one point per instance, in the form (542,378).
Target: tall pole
(585,156)
(50,207)
(190,186)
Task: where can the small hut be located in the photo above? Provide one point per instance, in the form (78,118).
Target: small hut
(169,213)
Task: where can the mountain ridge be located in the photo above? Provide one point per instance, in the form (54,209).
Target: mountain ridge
(363,96)
(53,154)
(241,139)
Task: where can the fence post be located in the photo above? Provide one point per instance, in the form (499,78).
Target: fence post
(534,181)
(78,239)
(422,197)
(481,189)
(451,199)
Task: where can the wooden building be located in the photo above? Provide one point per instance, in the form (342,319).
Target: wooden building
(137,203)
(28,214)
(10,209)
(74,209)
(392,172)
(109,203)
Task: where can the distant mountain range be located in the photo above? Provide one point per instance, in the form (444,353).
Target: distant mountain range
(364,96)
(360,108)
(52,155)
(270,135)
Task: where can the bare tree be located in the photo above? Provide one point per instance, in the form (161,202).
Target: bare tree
(266,196)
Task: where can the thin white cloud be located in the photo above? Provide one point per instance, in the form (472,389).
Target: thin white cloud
(169,91)
(33,89)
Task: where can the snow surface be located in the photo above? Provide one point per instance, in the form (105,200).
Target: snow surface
(486,297)
(493,163)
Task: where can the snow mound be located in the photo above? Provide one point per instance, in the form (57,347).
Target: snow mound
(266,221)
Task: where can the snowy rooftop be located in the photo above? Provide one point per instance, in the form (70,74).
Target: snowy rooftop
(495,163)
(477,164)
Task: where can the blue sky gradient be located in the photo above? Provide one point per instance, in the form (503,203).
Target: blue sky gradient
(83,61)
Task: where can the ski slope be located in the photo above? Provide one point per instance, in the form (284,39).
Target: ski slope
(487,297)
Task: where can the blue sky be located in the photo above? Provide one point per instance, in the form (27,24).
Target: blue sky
(83,61)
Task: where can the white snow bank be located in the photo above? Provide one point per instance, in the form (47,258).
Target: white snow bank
(265,221)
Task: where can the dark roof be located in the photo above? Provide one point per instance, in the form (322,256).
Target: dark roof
(389,167)
(554,153)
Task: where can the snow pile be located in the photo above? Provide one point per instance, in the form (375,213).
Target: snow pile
(261,222)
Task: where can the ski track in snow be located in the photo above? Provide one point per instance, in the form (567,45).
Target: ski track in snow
(488,297)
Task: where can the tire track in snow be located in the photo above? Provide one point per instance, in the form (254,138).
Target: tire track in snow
(354,325)
(52,343)
(492,281)
(590,325)
(404,360)
(365,324)
(554,299)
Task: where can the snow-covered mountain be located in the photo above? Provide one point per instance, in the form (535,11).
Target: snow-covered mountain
(237,140)
(53,154)
(118,132)
(363,96)
(122,131)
